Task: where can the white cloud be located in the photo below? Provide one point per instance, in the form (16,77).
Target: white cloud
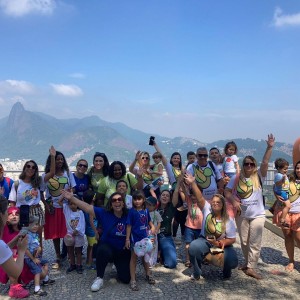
(281,20)
(67,90)
(78,75)
(19,8)
(16,87)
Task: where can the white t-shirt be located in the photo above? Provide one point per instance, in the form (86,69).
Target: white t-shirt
(229,162)
(206,178)
(26,194)
(56,184)
(128,201)
(74,220)
(5,252)
(230,231)
(252,204)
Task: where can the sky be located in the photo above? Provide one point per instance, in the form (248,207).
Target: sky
(207,70)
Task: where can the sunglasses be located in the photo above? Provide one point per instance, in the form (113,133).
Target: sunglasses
(119,199)
(30,167)
(99,154)
(202,155)
(82,166)
(249,164)
(145,158)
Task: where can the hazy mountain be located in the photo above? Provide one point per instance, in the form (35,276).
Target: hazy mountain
(26,134)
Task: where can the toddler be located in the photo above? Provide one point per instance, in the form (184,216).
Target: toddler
(156,171)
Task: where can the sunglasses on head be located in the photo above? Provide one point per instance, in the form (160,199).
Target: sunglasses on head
(82,166)
(202,155)
(99,154)
(145,158)
(31,167)
(119,199)
(249,164)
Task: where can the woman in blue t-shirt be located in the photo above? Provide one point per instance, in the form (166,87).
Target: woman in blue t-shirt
(111,245)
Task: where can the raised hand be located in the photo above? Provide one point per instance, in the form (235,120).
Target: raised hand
(52,151)
(271,140)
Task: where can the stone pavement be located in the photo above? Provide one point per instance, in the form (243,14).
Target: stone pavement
(176,284)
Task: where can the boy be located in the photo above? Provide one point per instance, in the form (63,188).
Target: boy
(33,258)
(122,188)
(281,187)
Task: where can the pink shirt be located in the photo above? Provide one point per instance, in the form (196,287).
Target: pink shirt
(194,217)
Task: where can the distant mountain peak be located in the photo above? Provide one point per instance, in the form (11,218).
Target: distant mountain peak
(15,116)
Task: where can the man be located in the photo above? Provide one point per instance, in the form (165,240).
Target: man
(5,183)
(208,177)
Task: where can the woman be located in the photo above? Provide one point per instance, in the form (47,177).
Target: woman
(82,180)
(26,191)
(248,200)
(99,170)
(174,170)
(111,245)
(218,231)
(56,178)
(291,234)
(116,172)
(142,163)
(165,241)
(10,236)
(11,267)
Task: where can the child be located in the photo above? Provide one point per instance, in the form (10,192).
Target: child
(138,221)
(156,172)
(194,217)
(91,232)
(281,187)
(33,257)
(151,204)
(122,188)
(191,158)
(74,239)
(230,162)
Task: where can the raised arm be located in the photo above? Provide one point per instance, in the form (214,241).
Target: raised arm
(163,158)
(51,173)
(131,167)
(265,162)
(190,179)
(82,205)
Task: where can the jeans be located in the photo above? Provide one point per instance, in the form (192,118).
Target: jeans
(167,250)
(198,250)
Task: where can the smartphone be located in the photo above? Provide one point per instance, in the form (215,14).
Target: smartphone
(24,215)
(151,140)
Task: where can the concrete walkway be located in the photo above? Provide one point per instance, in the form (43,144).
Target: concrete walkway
(176,284)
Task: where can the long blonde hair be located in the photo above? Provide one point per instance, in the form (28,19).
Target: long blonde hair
(254,177)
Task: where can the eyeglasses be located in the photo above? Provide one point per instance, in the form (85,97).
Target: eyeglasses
(113,200)
(248,164)
(145,158)
(82,166)
(30,167)
(202,155)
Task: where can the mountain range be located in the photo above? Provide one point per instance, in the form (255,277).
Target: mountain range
(28,135)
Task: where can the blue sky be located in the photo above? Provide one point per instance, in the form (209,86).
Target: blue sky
(207,70)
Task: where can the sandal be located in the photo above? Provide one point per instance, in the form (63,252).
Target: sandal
(188,264)
(250,272)
(150,279)
(56,264)
(134,286)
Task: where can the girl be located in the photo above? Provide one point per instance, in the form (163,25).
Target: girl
(138,221)
(74,239)
(230,163)
(82,180)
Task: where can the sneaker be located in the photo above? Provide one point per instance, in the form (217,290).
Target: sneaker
(17,291)
(97,284)
(79,269)
(71,268)
(48,282)
(40,292)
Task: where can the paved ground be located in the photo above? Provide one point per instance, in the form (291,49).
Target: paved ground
(175,284)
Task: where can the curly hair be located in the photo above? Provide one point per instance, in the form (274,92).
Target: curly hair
(112,167)
(65,166)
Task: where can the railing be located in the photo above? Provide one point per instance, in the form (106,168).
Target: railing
(268,183)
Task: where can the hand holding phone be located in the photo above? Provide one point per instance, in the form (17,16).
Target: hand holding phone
(151,140)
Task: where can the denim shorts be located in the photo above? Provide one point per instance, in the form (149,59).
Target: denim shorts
(34,268)
(191,234)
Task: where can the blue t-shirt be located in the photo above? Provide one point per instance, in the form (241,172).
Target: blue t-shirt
(139,221)
(88,228)
(33,241)
(6,184)
(82,184)
(114,228)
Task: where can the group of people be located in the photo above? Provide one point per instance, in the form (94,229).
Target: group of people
(126,215)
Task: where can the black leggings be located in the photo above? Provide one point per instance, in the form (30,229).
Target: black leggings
(179,219)
(121,259)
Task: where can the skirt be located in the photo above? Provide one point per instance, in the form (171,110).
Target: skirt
(55,226)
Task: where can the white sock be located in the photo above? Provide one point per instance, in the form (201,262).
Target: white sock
(37,288)
(46,278)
